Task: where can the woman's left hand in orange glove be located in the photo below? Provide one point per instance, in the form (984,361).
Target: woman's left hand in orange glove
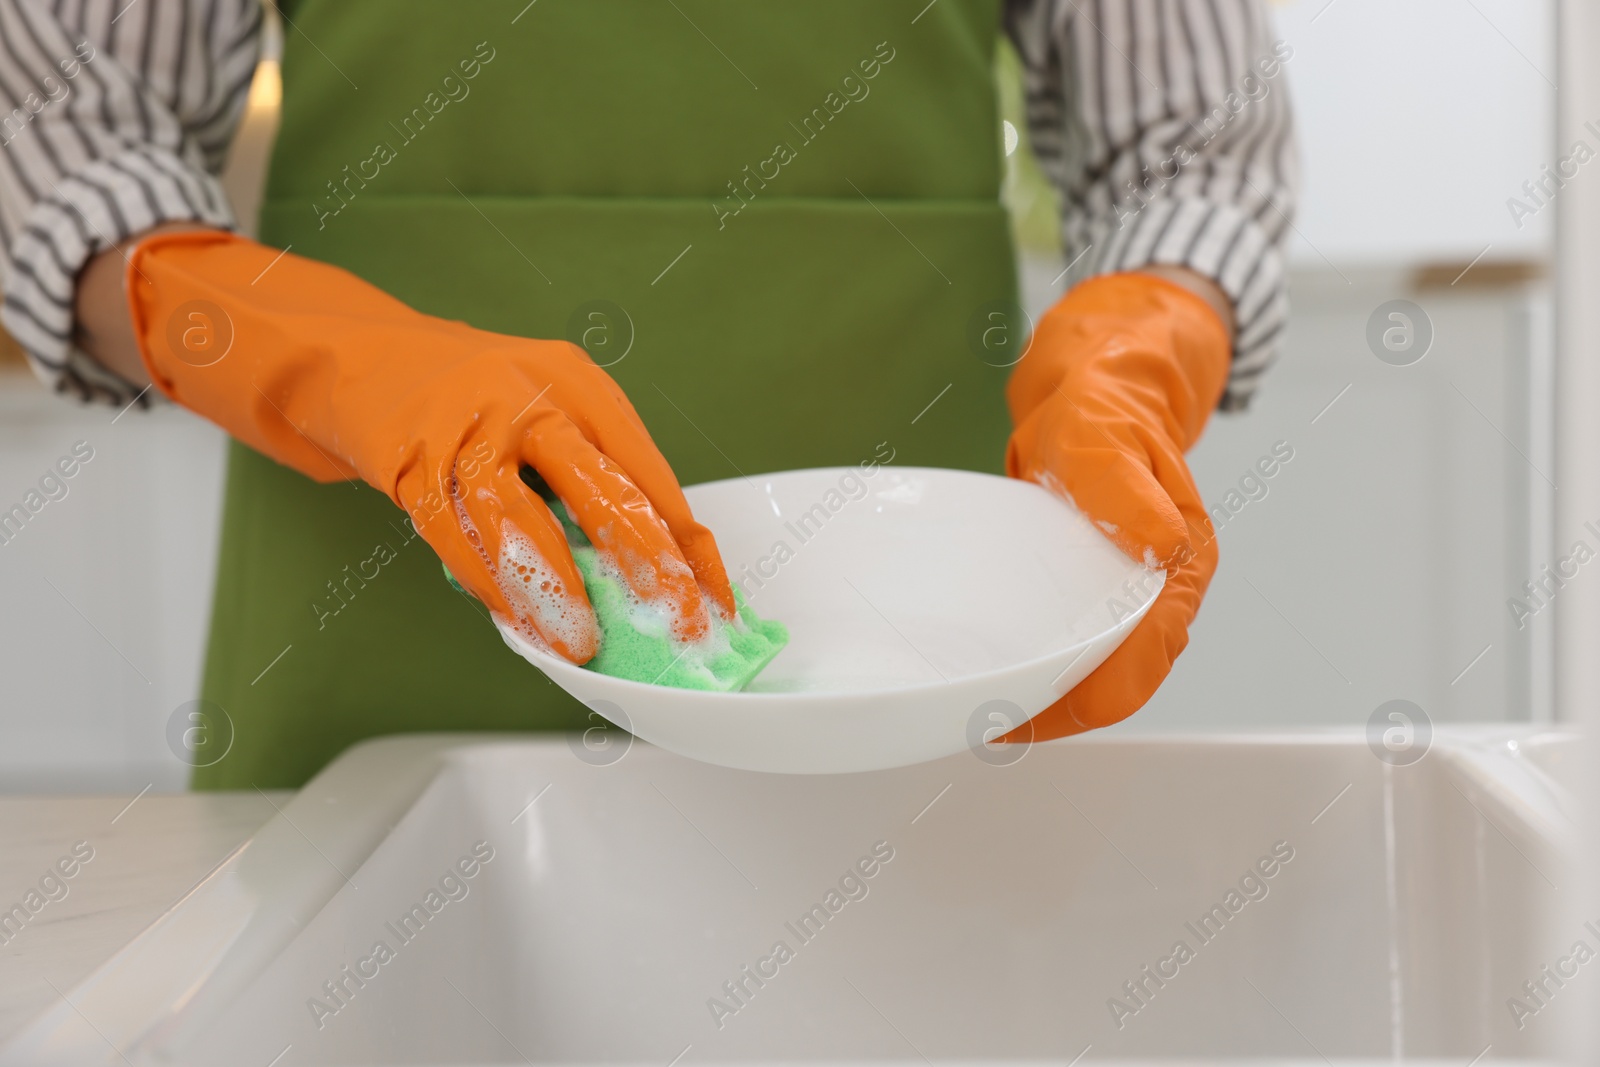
(1114,389)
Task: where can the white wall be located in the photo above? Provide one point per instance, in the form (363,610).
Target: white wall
(1418,120)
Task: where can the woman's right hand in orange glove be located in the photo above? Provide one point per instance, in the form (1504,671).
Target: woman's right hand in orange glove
(330,376)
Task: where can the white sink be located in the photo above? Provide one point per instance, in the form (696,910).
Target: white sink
(1017,902)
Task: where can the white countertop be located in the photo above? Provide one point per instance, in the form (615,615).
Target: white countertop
(146,857)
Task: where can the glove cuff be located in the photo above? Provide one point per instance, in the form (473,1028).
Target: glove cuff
(1161,346)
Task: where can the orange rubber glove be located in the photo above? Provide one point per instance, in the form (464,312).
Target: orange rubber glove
(328,375)
(1116,386)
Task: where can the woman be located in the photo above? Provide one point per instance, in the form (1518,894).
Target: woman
(777,226)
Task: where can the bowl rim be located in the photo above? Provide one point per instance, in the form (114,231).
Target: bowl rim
(538,657)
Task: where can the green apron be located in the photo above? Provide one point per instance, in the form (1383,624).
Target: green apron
(777,223)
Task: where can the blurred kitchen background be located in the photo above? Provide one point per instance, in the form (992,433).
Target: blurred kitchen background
(1377,566)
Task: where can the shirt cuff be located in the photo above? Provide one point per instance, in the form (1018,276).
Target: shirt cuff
(86,212)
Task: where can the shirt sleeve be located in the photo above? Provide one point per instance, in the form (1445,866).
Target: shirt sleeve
(1166,126)
(115,116)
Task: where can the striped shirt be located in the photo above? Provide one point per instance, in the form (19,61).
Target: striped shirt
(1164,124)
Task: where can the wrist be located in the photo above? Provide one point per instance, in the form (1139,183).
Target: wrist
(103,323)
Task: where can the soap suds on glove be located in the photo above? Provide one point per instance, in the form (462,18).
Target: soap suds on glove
(530,583)
(636,639)
(636,635)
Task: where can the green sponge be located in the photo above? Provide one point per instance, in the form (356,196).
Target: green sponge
(636,642)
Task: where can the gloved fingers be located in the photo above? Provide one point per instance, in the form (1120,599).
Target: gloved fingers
(622,435)
(629,445)
(448,498)
(618,517)
(1135,670)
(522,551)
(1105,470)
(1122,498)
(1128,504)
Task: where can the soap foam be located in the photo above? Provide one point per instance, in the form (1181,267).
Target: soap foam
(528,582)
(655,617)
(638,631)
(637,640)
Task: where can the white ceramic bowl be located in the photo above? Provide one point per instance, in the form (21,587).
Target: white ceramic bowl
(928,611)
